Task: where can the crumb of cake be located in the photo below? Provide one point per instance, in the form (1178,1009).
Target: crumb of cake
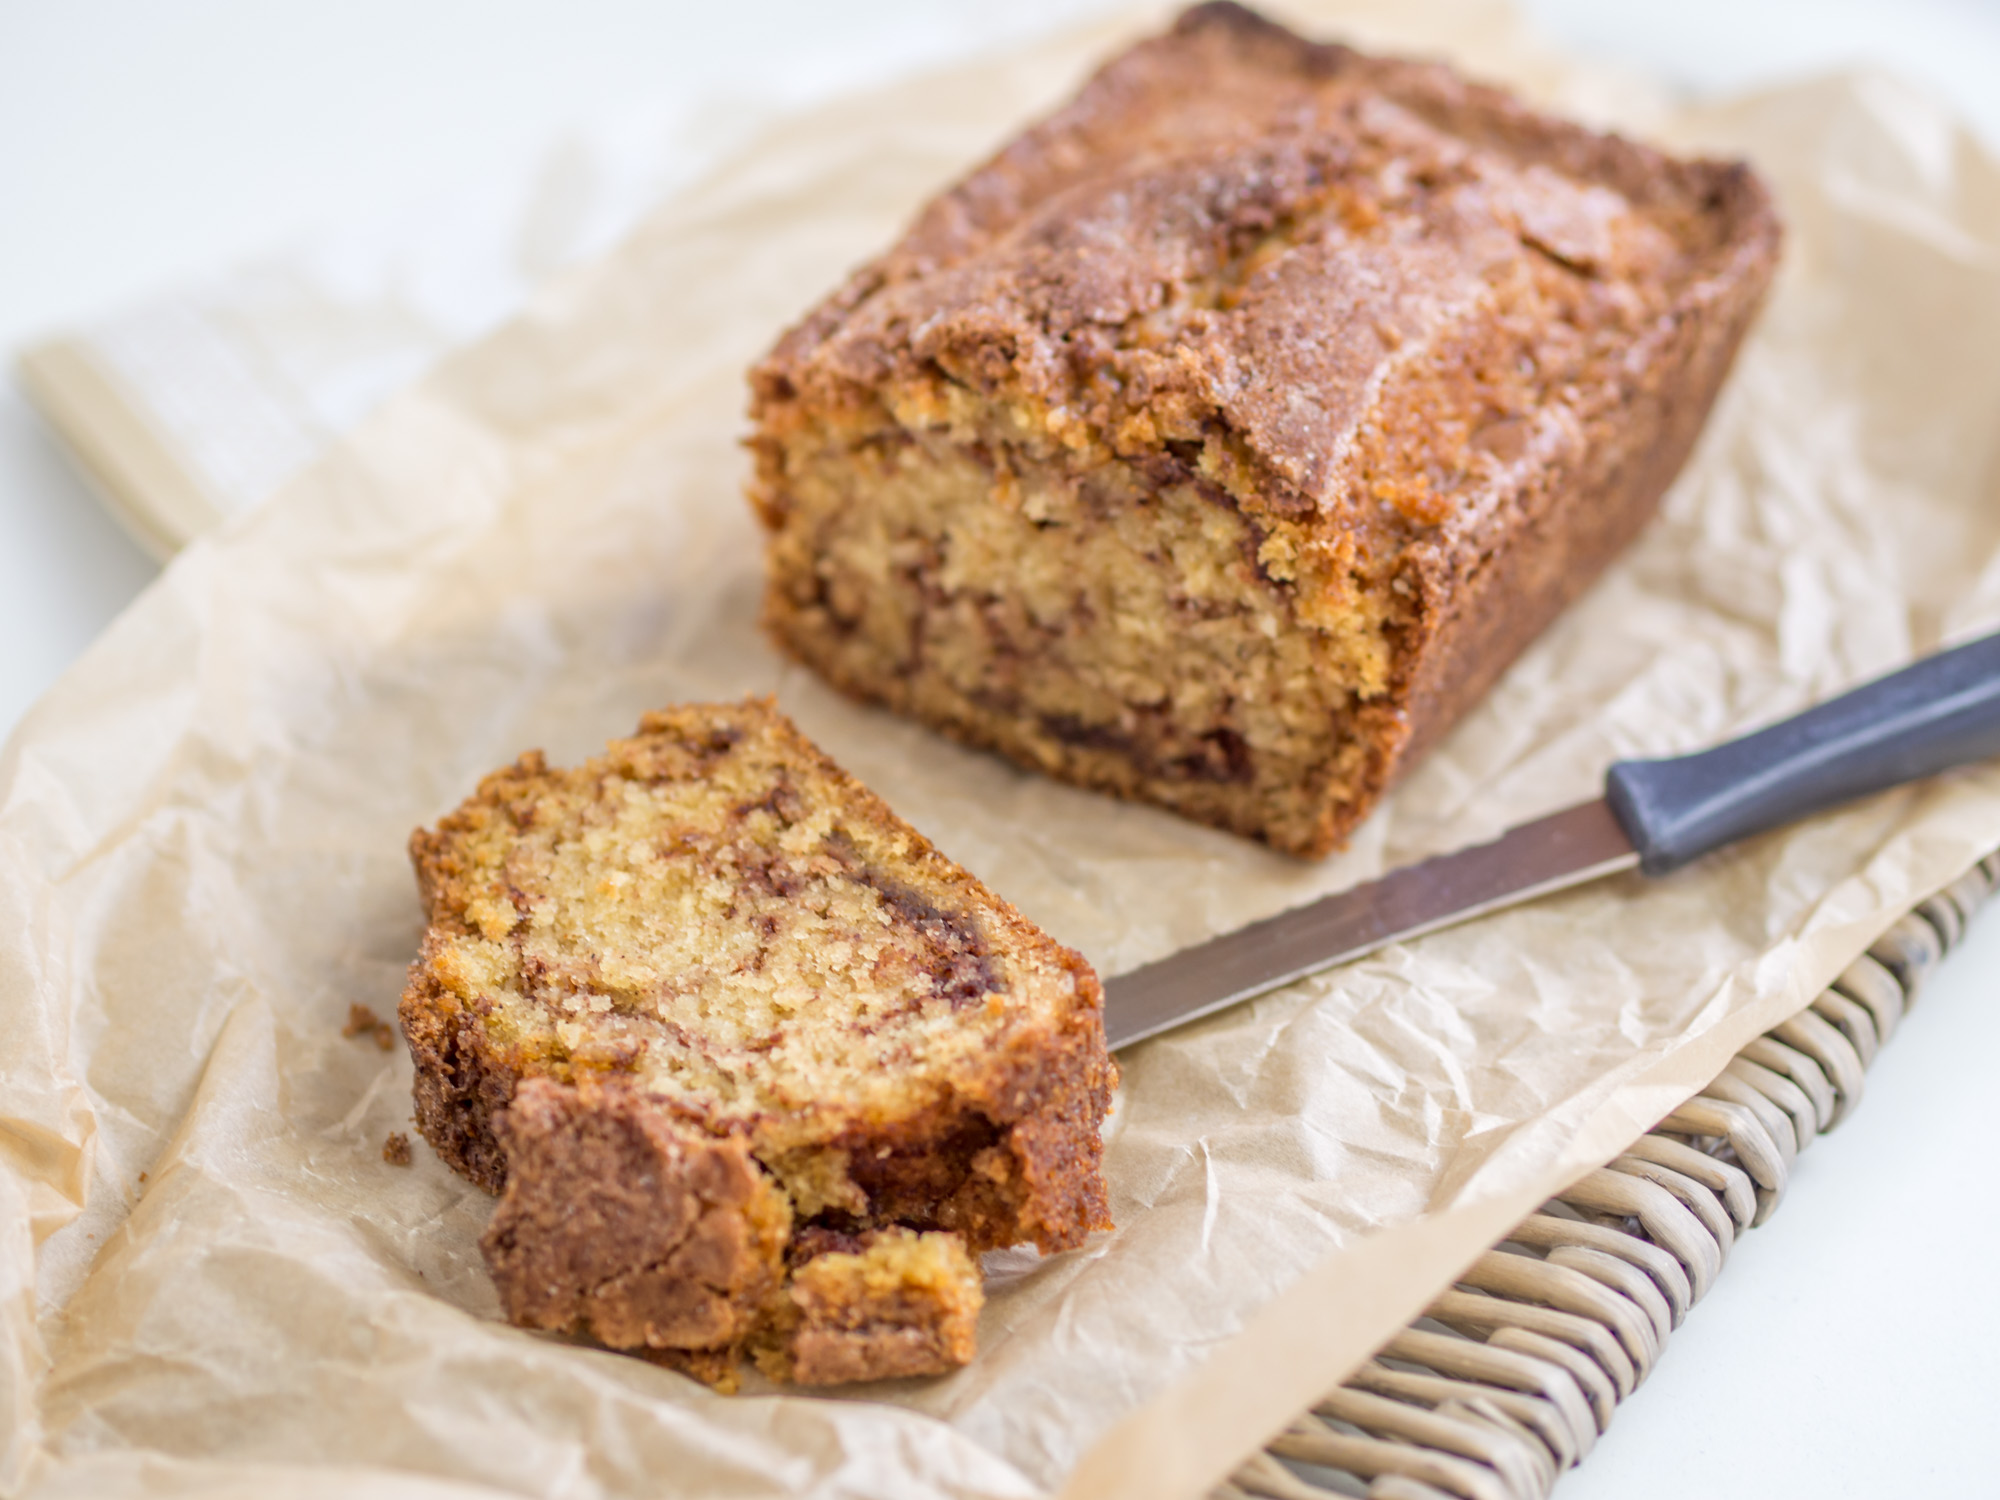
(703,999)
(1221,439)
(887,1304)
(396,1149)
(362,1021)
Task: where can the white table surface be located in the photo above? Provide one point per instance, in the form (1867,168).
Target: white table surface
(1853,1345)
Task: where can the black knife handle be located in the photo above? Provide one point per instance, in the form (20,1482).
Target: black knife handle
(1940,712)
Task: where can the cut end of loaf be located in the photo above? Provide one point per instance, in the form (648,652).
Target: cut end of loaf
(1112,622)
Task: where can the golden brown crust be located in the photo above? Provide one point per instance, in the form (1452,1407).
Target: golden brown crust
(459,1086)
(706,986)
(619,1223)
(1424,356)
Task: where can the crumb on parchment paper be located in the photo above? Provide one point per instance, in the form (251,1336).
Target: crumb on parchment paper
(361,1021)
(396,1150)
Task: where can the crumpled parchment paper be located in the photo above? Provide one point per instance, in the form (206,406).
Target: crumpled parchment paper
(211,1282)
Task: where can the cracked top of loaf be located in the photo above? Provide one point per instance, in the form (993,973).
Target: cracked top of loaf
(1360,295)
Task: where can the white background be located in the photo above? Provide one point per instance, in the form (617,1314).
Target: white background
(1853,1345)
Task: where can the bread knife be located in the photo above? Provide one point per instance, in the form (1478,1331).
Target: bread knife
(1654,816)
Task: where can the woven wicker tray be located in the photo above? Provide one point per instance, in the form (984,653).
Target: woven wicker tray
(1507,1379)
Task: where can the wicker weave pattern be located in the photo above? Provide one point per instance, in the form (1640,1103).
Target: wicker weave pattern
(1510,1376)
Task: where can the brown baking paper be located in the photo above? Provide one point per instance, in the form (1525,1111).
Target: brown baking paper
(212,1283)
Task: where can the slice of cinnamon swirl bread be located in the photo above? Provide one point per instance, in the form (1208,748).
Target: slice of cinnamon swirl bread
(703,1005)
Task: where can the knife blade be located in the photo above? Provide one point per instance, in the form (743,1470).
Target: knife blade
(1656,815)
